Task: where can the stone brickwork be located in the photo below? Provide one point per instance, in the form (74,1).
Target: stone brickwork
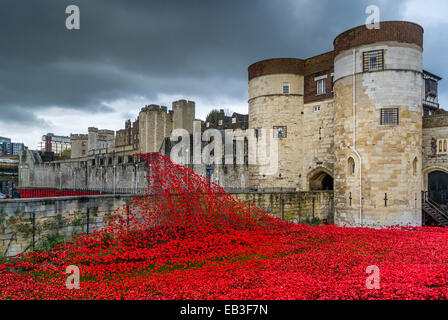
(269,108)
(64,217)
(435,128)
(296,207)
(391,187)
(326,137)
(79,145)
(397,31)
(155,124)
(318,141)
(184,115)
(28,222)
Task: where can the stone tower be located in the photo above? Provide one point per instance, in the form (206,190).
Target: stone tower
(378,94)
(276,92)
(155,124)
(79,143)
(92,138)
(183,115)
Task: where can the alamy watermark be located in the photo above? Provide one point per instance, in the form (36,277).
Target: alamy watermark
(256,147)
(73,21)
(73,280)
(373,20)
(373,281)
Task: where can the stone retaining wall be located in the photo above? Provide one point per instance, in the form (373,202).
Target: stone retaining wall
(26,223)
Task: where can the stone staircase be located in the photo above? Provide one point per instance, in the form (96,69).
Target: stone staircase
(433,210)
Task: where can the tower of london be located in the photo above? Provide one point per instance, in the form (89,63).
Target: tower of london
(361,121)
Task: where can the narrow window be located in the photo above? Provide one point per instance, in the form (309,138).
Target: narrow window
(351,166)
(321,86)
(390,117)
(286,88)
(414,166)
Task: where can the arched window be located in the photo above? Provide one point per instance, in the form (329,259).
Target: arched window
(415,166)
(351,166)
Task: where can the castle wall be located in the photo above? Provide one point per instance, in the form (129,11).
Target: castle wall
(82,175)
(391,186)
(318,141)
(155,124)
(183,115)
(79,145)
(269,107)
(435,128)
(66,216)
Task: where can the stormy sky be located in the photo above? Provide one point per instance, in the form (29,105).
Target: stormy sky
(128,54)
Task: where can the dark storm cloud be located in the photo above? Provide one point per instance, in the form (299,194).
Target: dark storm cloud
(146,48)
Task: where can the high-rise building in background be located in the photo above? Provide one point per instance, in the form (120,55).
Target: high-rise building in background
(10,148)
(52,143)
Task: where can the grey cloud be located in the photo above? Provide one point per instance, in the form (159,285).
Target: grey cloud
(22,117)
(150,48)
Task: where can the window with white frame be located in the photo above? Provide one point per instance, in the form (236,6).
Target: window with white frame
(442,146)
(321,86)
(233,120)
(316,108)
(286,88)
(220,123)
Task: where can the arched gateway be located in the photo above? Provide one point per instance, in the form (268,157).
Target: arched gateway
(438,187)
(320,180)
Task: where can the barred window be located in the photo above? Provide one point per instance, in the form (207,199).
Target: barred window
(280,132)
(390,117)
(373,60)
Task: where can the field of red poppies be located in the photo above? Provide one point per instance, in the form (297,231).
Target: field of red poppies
(189,241)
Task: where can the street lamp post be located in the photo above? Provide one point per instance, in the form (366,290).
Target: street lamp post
(115,178)
(209,170)
(101,179)
(136,178)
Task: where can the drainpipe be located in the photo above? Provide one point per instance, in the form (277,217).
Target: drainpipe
(354,137)
(136,178)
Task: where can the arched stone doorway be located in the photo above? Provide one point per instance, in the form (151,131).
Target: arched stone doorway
(321,180)
(438,187)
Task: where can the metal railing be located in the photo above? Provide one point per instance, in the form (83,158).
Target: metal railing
(435,206)
(28,193)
